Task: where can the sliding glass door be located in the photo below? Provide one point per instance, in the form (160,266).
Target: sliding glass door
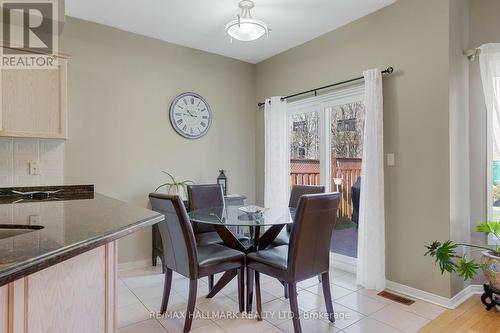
(326,148)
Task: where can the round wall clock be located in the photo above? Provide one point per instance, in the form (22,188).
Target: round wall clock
(190,115)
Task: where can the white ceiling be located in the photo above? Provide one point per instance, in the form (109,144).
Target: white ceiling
(200,24)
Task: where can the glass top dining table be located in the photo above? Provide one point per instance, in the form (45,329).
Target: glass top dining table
(228,218)
(234,216)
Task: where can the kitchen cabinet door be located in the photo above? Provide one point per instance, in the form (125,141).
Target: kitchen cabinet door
(34,102)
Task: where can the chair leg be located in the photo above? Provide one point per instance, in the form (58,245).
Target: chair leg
(294,307)
(241,288)
(193,285)
(223,281)
(258,299)
(325,278)
(285,287)
(249,289)
(210,283)
(166,290)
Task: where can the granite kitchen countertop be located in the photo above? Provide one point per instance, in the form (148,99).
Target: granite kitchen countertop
(72,224)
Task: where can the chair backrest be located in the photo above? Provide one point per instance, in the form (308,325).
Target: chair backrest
(179,245)
(309,248)
(297,192)
(204,196)
(300,190)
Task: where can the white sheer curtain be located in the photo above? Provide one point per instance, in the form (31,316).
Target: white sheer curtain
(371,233)
(276,189)
(489,60)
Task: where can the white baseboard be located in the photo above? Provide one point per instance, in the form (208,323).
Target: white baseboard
(467,292)
(345,263)
(124,266)
(450,303)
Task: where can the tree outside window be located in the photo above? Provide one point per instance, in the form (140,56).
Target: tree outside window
(304,138)
(347,125)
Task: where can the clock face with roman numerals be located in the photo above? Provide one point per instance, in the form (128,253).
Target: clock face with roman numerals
(190,115)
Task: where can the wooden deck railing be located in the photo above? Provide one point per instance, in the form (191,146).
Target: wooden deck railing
(299,178)
(345,172)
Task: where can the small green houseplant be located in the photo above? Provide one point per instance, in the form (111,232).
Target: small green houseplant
(175,187)
(448,260)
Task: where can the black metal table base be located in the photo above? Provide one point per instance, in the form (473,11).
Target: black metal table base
(256,241)
(489,298)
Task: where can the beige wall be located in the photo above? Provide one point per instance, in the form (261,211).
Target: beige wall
(120,138)
(459,129)
(413,37)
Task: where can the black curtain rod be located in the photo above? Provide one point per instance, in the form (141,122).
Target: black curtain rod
(389,70)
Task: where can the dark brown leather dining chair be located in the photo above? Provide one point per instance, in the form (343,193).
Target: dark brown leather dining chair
(297,191)
(207,196)
(284,236)
(182,255)
(314,221)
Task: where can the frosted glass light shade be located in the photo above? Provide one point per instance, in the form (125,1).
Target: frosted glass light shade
(247,29)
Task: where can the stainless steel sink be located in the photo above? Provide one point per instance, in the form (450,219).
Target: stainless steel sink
(11,230)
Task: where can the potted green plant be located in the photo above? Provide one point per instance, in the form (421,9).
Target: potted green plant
(448,260)
(175,187)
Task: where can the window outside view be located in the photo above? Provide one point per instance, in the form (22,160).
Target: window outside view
(347,124)
(304,139)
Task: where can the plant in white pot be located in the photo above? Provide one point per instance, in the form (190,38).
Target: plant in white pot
(175,187)
(449,261)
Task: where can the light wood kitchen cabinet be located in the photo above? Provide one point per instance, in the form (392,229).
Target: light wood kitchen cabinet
(77,295)
(34,102)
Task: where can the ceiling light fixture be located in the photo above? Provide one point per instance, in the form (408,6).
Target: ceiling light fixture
(244,27)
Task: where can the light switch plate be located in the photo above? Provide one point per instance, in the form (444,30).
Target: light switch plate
(35,220)
(391,160)
(34,168)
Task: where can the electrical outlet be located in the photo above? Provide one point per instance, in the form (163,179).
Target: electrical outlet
(34,168)
(35,220)
(391,160)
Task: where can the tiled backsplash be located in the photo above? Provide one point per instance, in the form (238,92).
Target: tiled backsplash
(16,155)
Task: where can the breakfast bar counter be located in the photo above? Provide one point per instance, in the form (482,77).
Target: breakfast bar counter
(58,260)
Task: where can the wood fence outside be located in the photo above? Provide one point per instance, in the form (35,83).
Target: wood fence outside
(345,172)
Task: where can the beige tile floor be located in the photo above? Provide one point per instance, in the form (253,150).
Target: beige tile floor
(358,310)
